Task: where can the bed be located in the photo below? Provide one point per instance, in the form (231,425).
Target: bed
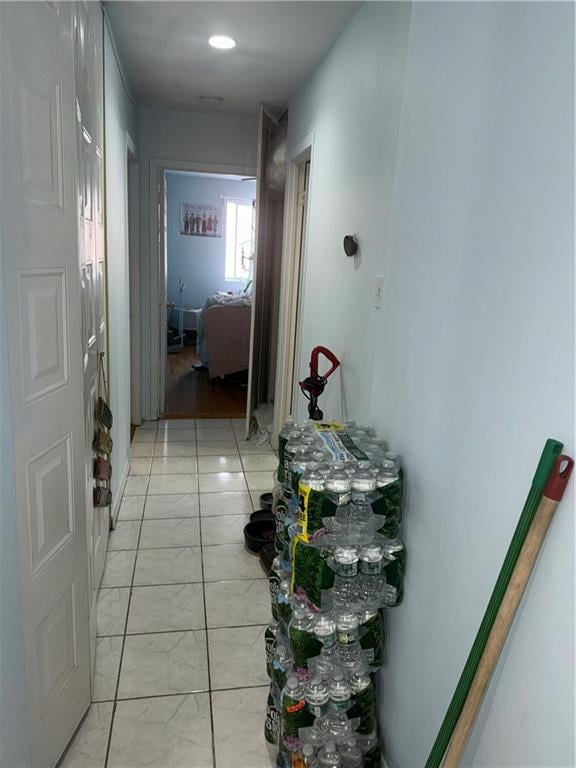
(223,342)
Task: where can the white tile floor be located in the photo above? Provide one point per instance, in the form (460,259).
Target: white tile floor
(180,673)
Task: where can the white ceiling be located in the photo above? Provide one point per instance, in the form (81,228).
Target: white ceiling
(164,50)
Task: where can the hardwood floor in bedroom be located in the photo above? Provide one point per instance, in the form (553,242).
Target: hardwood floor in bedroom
(191,394)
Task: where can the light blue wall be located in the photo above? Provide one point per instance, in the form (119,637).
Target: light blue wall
(121,121)
(453,162)
(199,261)
(472,371)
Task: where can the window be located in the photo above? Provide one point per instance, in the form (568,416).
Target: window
(239,239)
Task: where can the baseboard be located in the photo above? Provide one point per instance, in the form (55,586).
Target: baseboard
(117,500)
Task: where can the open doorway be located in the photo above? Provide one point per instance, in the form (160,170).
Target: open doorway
(209,234)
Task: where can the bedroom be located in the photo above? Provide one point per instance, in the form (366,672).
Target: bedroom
(209,246)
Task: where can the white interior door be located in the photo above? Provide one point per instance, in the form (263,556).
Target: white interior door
(134,261)
(301,225)
(162,282)
(293,259)
(39,251)
(91,252)
(257,361)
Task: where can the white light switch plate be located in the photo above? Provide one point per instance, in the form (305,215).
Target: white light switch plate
(378,291)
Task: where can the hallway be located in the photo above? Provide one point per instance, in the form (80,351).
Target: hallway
(189,392)
(389,181)
(180,676)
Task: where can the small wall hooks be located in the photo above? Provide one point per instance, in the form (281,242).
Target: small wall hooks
(350,245)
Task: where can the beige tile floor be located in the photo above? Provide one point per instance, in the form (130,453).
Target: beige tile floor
(180,674)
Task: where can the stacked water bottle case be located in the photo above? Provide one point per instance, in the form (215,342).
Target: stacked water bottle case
(337,503)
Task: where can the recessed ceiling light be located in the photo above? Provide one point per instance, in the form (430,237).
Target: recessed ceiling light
(223,42)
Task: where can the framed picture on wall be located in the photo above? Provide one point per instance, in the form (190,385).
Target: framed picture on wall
(200,220)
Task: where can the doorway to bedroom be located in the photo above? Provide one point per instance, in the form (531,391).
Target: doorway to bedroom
(209,235)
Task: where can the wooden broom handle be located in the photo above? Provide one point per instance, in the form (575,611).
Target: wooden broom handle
(505,616)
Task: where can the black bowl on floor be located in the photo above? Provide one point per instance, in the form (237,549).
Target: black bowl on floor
(265,501)
(258,533)
(262,514)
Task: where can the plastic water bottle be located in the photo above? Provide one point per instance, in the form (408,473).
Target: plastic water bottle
(394,457)
(343,592)
(347,628)
(310,496)
(284,521)
(394,568)
(282,666)
(358,435)
(272,720)
(288,431)
(363,483)
(317,697)
(339,691)
(339,727)
(270,639)
(345,561)
(284,606)
(351,754)
(328,756)
(304,458)
(371,750)
(295,715)
(325,631)
(298,439)
(337,486)
(362,700)
(308,757)
(350,467)
(349,656)
(274,578)
(353,524)
(323,665)
(372,635)
(374,452)
(388,473)
(302,641)
(371,581)
(387,505)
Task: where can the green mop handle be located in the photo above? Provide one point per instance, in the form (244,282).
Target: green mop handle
(552,449)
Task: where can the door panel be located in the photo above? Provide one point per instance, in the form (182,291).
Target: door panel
(50,502)
(257,352)
(267,267)
(91,254)
(43,332)
(41,116)
(39,250)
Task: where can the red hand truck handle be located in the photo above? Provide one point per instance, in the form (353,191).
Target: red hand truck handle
(316,352)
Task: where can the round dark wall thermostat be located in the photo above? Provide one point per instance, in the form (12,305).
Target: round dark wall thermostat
(350,245)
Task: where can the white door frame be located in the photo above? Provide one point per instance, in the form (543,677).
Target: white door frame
(132,230)
(292,283)
(158,168)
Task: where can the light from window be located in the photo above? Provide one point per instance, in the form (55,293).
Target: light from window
(239,239)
